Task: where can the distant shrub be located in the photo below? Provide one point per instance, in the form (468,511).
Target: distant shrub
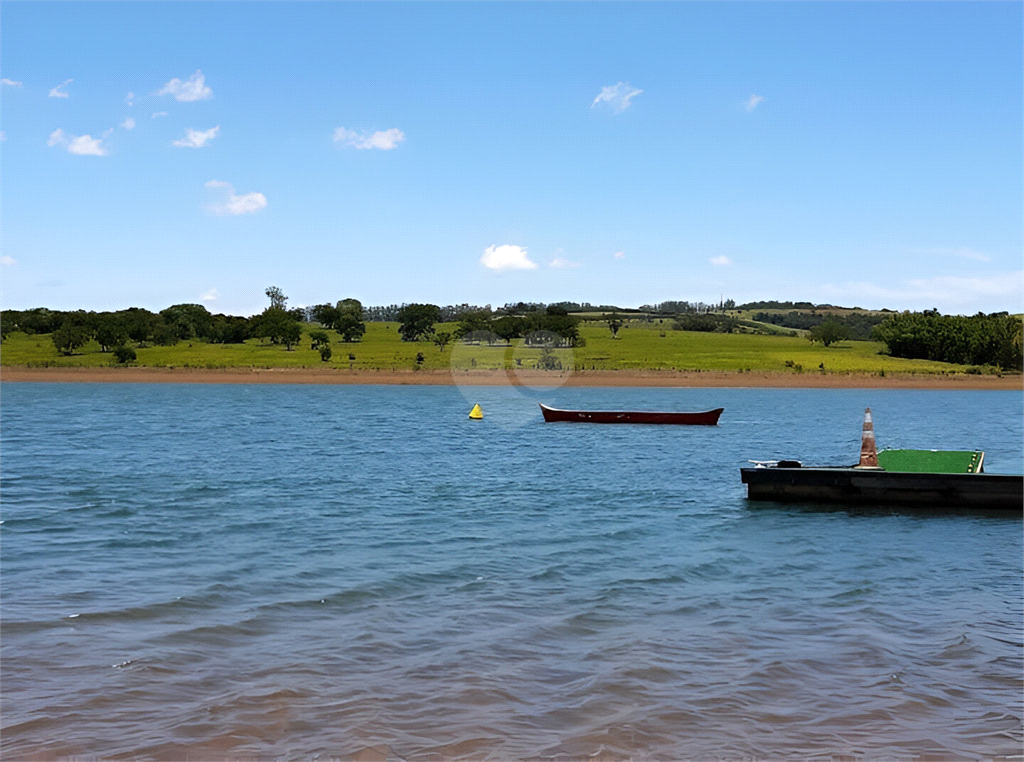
(124,354)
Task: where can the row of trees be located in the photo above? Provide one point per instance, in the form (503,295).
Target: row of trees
(981,339)
(416,322)
(857,325)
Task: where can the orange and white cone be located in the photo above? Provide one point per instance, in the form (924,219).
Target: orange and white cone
(868,453)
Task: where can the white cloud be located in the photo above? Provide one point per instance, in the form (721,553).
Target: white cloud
(57,92)
(197,139)
(752,102)
(619,255)
(3,136)
(618,96)
(562,263)
(128,124)
(6,260)
(86,145)
(720,261)
(129,98)
(57,137)
(10,82)
(385,140)
(209,296)
(506,258)
(234,203)
(158,113)
(193,89)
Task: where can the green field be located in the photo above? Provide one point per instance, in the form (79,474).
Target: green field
(639,345)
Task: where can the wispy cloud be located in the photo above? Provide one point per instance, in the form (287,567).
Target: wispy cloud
(559,262)
(11,82)
(507,257)
(619,255)
(3,136)
(128,124)
(158,113)
(949,290)
(81,145)
(58,91)
(233,203)
(197,139)
(192,89)
(209,296)
(753,101)
(129,98)
(385,140)
(721,261)
(8,261)
(618,96)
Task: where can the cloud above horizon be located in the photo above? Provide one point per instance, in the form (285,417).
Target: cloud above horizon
(80,145)
(383,140)
(507,257)
(721,261)
(209,296)
(192,89)
(196,139)
(233,203)
(128,124)
(753,101)
(8,260)
(10,82)
(618,96)
(58,92)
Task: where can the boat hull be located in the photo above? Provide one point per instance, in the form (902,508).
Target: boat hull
(707,418)
(853,486)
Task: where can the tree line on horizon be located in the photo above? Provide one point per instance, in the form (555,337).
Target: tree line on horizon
(994,340)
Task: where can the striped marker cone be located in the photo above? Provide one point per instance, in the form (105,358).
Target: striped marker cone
(868,453)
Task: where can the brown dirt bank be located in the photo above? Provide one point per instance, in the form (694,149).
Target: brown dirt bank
(498,378)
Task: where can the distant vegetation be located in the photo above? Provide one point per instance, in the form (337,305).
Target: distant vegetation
(601,337)
(980,339)
(857,325)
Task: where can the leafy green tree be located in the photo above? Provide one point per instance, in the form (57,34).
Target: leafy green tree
(473,321)
(165,335)
(124,354)
(442,339)
(326,315)
(70,336)
(420,359)
(291,334)
(110,333)
(829,332)
(319,339)
(139,324)
(508,327)
(277,298)
(349,322)
(188,320)
(325,352)
(417,320)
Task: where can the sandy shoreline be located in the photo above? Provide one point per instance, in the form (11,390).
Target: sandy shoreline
(654,378)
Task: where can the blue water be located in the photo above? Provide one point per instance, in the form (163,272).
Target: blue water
(294,572)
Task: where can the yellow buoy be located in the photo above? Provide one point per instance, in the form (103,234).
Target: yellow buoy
(477,413)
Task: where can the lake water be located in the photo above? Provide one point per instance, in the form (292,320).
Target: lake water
(304,572)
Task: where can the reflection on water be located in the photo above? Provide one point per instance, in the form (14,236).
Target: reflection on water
(337,571)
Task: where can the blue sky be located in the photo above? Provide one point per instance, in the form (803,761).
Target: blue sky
(861,154)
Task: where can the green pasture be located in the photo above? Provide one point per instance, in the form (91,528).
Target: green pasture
(639,346)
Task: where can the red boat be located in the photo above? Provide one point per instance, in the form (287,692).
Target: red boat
(709,418)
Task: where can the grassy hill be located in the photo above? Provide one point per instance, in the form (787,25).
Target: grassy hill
(640,345)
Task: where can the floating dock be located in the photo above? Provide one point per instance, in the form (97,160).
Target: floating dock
(917,478)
